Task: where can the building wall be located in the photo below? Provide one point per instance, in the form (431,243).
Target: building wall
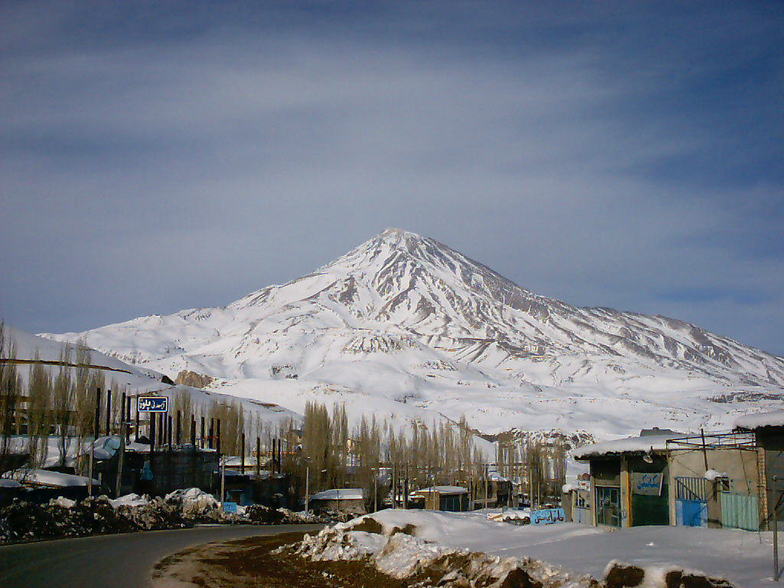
(741,466)
(771,440)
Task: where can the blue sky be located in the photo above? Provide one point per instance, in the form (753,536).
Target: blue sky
(159,156)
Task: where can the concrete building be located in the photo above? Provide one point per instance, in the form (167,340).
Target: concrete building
(346,500)
(666,478)
(715,481)
(449,498)
(629,479)
(768,431)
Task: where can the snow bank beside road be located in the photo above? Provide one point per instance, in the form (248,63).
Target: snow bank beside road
(400,544)
(415,544)
(61,517)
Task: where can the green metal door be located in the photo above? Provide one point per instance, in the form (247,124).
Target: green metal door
(650,510)
(740,511)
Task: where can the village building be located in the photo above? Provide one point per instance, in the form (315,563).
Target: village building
(629,479)
(768,431)
(715,481)
(449,498)
(666,478)
(343,500)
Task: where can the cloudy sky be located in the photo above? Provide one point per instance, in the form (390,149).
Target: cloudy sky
(156,156)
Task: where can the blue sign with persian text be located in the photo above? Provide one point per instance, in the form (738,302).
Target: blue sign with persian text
(153,404)
(548,516)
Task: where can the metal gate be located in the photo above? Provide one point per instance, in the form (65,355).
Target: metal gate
(691,501)
(740,511)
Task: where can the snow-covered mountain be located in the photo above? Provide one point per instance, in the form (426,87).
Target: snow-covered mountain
(406,327)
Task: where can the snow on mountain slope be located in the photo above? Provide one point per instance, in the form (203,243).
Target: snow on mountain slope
(136,379)
(405,325)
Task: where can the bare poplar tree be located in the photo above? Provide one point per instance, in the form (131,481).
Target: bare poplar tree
(63,405)
(10,398)
(38,412)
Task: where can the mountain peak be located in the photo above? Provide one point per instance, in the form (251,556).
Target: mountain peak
(398,237)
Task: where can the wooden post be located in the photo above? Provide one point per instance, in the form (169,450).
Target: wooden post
(242,453)
(193,430)
(108,412)
(128,418)
(153,418)
(179,426)
(258,456)
(201,438)
(118,482)
(96,426)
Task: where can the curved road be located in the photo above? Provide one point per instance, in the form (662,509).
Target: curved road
(117,561)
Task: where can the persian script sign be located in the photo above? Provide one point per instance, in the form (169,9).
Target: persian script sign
(153,404)
(548,516)
(647,484)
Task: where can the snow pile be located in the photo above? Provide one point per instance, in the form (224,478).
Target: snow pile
(37,477)
(130,500)
(62,517)
(62,501)
(399,551)
(23,521)
(427,545)
(193,502)
(763,419)
(517,517)
(619,575)
(713,475)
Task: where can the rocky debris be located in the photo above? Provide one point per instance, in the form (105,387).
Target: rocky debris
(61,517)
(23,521)
(193,379)
(624,575)
(403,556)
(193,502)
(397,553)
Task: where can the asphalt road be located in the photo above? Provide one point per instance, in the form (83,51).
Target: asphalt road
(109,561)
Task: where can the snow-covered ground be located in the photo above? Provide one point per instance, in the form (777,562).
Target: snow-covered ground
(742,557)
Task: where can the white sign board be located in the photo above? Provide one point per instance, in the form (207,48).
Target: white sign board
(647,484)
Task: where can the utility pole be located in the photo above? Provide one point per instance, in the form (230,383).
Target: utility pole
(223,464)
(242,453)
(375,491)
(118,483)
(108,413)
(307,487)
(96,425)
(776,573)
(258,457)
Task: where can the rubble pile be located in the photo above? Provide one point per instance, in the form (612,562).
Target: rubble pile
(61,517)
(398,553)
(23,521)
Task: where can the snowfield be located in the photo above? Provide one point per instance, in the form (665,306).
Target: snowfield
(408,328)
(400,540)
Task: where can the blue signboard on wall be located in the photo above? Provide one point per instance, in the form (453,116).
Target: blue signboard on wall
(548,516)
(153,404)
